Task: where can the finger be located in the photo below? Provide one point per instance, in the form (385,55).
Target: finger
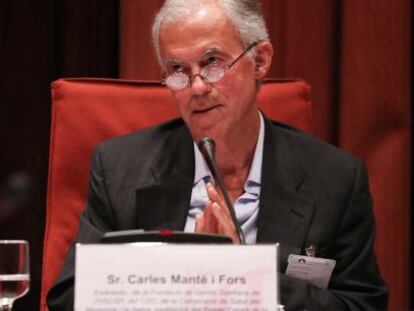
(222,215)
(225,224)
(214,196)
(199,223)
(206,222)
(209,220)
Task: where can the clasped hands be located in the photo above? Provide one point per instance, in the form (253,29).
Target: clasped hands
(216,218)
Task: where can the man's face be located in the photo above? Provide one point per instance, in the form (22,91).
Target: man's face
(218,110)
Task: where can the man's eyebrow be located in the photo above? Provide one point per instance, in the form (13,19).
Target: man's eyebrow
(206,52)
(210,51)
(174,61)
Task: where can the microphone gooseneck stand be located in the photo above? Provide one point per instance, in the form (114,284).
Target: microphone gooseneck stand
(207,147)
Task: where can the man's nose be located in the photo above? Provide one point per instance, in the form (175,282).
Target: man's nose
(199,85)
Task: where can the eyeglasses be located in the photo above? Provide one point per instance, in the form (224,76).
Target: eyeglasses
(209,74)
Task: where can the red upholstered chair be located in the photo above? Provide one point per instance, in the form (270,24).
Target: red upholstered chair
(88,111)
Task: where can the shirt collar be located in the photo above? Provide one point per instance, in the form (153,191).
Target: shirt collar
(254,177)
(255,173)
(201,168)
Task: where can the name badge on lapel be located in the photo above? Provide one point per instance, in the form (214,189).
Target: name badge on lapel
(318,271)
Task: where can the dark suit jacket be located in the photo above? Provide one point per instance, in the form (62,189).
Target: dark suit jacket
(311,193)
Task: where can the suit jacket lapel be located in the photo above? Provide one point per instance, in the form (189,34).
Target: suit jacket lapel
(164,194)
(284,214)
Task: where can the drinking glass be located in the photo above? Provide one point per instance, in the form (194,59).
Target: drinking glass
(14,272)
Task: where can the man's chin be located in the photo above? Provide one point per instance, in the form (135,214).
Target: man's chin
(202,127)
(199,132)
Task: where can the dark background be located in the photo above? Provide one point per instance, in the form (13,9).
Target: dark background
(355,54)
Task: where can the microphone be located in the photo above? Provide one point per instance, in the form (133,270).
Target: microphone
(207,147)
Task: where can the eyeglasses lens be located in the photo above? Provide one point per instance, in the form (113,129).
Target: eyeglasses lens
(177,81)
(212,73)
(180,80)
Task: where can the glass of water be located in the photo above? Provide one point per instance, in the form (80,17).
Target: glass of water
(14,271)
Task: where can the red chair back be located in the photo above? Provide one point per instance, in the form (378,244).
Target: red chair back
(88,111)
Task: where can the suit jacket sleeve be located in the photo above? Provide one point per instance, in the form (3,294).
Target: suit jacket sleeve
(94,221)
(355,283)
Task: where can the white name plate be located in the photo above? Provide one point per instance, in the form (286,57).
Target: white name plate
(168,277)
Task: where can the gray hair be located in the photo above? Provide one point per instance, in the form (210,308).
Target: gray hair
(245,15)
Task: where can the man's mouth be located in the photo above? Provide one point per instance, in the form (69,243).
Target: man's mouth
(204,110)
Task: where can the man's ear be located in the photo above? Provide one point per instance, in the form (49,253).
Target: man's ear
(263,59)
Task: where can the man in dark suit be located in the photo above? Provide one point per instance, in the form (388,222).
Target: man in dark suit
(286,186)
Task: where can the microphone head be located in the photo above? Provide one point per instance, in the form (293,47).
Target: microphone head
(207,147)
